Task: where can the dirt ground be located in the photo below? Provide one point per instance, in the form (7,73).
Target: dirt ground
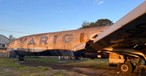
(54,67)
(87,70)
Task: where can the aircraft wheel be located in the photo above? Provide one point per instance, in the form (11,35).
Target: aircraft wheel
(125,68)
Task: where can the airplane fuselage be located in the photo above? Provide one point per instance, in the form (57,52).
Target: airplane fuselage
(57,43)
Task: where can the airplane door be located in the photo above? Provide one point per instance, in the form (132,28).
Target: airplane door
(83,37)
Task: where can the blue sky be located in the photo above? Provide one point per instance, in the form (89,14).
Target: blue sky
(24,17)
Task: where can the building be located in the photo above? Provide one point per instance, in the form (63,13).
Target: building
(4,41)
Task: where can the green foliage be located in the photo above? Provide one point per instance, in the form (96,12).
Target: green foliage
(11,38)
(7,62)
(103,22)
(85,24)
(98,23)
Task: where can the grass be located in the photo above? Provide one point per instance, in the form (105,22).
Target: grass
(6,62)
(43,59)
(97,63)
(11,67)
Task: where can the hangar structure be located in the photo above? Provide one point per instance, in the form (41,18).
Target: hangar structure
(4,41)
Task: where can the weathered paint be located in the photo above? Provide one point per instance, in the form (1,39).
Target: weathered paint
(66,40)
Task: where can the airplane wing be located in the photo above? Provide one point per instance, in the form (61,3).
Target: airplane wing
(128,32)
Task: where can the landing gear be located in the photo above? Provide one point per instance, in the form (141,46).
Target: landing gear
(125,68)
(21,58)
(131,65)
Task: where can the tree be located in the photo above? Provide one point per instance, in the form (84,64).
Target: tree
(92,24)
(85,24)
(103,22)
(11,38)
(98,23)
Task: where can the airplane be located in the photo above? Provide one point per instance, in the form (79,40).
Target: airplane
(126,37)
(65,43)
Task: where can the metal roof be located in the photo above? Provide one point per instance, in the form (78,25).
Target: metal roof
(4,39)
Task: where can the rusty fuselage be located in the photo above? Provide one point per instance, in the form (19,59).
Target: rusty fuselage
(56,43)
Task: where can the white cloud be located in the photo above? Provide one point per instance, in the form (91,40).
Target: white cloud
(99,2)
